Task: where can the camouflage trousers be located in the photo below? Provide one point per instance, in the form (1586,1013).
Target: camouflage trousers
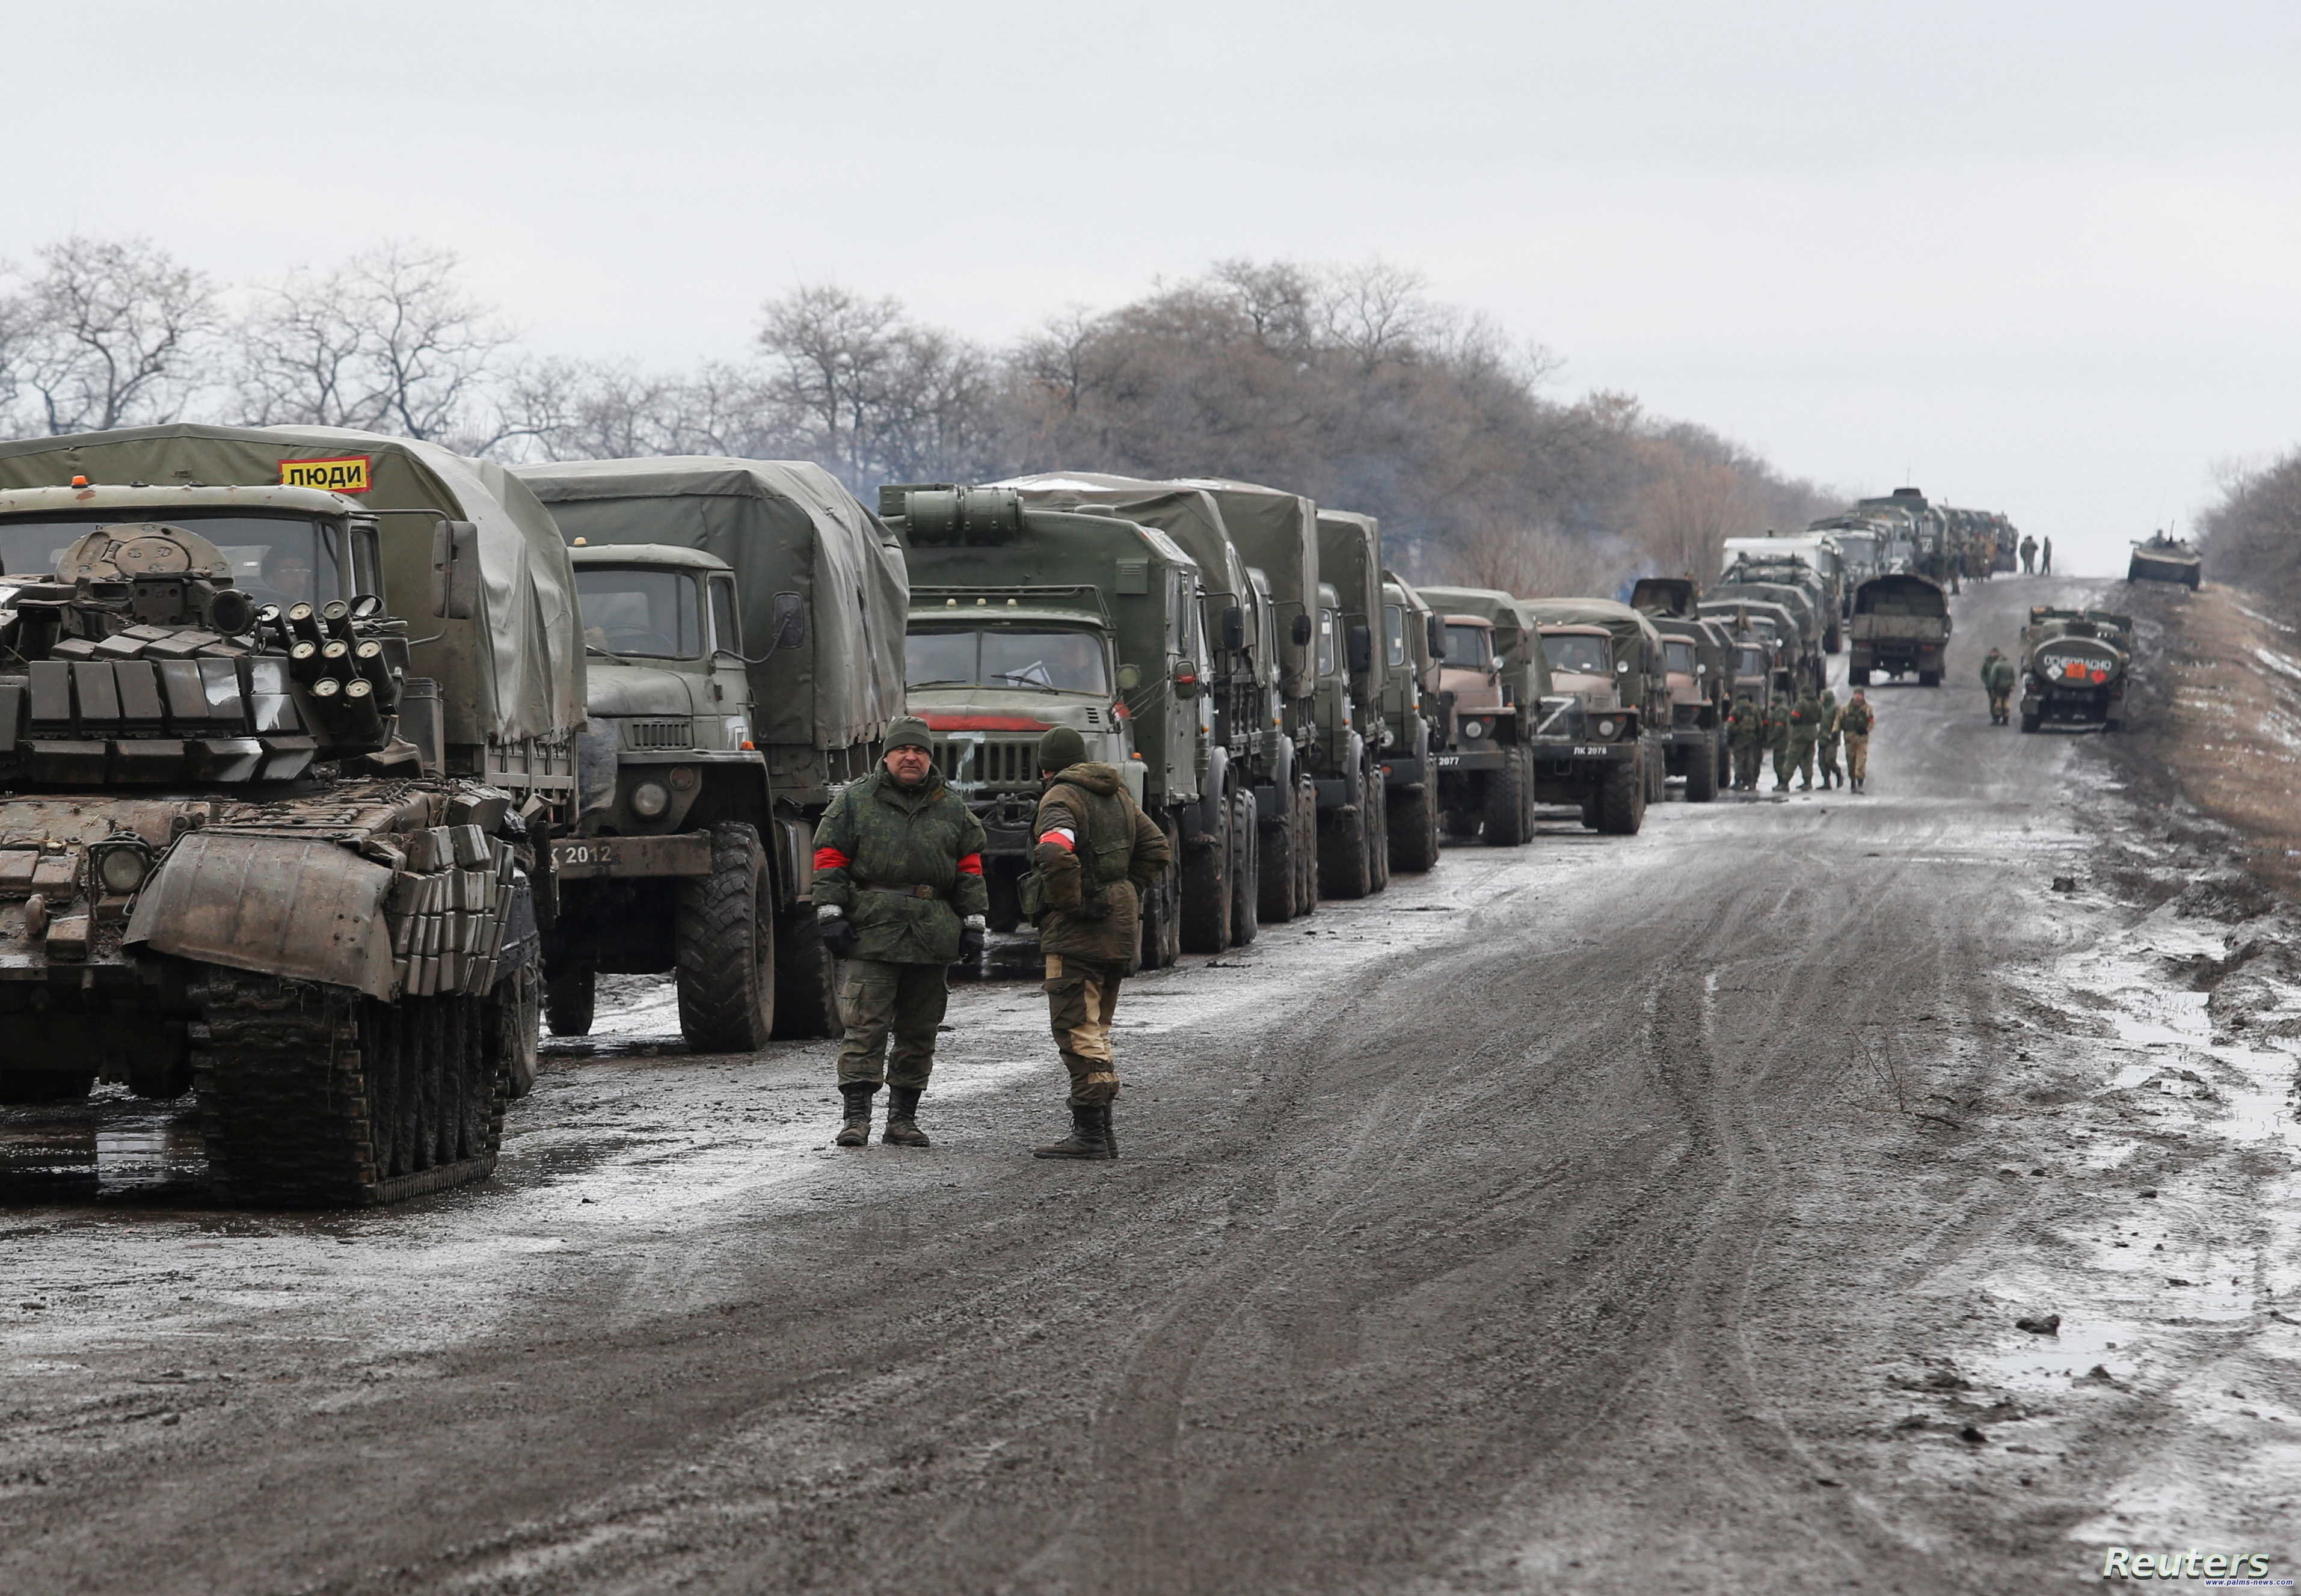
(1748,762)
(1082,998)
(1827,753)
(1783,764)
(876,997)
(1802,761)
(2000,705)
(1857,756)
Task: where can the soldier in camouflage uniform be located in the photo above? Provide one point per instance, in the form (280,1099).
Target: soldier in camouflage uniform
(1825,747)
(1776,725)
(1805,730)
(900,897)
(1746,731)
(1094,857)
(1855,721)
(1998,676)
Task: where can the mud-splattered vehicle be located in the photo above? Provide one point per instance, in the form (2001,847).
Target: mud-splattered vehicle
(258,841)
(1491,679)
(2074,667)
(1413,644)
(1698,657)
(1901,626)
(1602,739)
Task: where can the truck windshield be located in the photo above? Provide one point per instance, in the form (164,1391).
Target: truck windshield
(653,613)
(1056,661)
(1681,657)
(1394,634)
(1469,647)
(1327,625)
(1753,661)
(275,559)
(1573,654)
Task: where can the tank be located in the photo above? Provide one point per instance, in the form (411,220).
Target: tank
(2074,667)
(253,846)
(2161,558)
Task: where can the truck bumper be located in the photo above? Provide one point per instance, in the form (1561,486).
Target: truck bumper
(631,859)
(1405,770)
(1567,772)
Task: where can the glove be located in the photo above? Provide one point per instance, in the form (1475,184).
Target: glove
(970,938)
(838,933)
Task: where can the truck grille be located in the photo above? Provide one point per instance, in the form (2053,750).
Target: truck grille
(1008,763)
(678,733)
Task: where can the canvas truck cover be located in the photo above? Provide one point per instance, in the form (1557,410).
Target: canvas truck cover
(785,527)
(515,670)
(1278,533)
(1626,623)
(1516,630)
(1186,514)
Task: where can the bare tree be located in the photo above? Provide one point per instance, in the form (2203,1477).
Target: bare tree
(831,351)
(112,334)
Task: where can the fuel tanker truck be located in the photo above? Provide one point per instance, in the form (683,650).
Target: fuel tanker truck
(2074,665)
(287,720)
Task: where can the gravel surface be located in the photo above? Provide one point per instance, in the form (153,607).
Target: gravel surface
(1608,1214)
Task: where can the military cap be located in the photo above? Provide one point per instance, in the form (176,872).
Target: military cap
(1061,748)
(910,732)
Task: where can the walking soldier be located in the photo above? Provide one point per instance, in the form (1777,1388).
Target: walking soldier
(1776,725)
(1856,721)
(1805,730)
(1746,731)
(1825,747)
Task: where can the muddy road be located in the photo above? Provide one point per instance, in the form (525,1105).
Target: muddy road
(1605,1214)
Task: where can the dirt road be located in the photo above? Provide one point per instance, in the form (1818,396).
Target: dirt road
(1606,1215)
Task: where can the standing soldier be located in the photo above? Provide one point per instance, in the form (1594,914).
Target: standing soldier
(1746,733)
(2045,557)
(1997,678)
(1825,746)
(2028,555)
(1805,730)
(898,896)
(1096,854)
(1856,721)
(1776,725)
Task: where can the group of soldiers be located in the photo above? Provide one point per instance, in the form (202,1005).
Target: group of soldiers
(1800,733)
(899,897)
(2029,551)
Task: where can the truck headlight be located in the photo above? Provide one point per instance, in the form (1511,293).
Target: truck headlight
(1474,728)
(1609,726)
(121,868)
(649,799)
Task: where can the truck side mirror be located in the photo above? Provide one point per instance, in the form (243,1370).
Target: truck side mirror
(1234,628)
(788,620)
(1437,638)
(1361,649)
(1186,679)
(1302,632)
(455,569)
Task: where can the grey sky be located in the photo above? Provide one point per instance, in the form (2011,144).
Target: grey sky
(2044,256)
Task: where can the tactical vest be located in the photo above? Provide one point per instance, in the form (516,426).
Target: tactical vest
(1856,722)
(1105,853)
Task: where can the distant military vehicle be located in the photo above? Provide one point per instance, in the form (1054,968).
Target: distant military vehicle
(1791,663)
(1354,830)
(1699,658)
(2074,666)
(1025,618)
(1603,739)
(1920,539)
(1413,645)
(1809,559)
(819,594)
(1796,589)
(1863,544)
(1493,678)
(257,840)
(1901,625)
(2161,558)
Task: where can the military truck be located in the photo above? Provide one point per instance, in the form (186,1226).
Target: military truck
(1790,665)
(2161,558)
(1413,644)
(1809,559)
(1492,679)
(1901,626)
(1795,589)
(1249,750)
(2074,666)
(257,841)
(1354,811)
(1697,659)
(1023,619)
(820,593)
(1601,742)
(1861,543)
(1920,540)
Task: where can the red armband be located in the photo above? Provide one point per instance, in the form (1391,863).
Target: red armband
(1061,838)
(970,863)
(829,858)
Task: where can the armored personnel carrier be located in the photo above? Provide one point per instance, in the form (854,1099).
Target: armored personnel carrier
(257,840)
(2074,665)
(2161,558)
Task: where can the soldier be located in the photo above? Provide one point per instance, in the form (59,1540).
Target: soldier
(2045,557)
(1778,743)
(1856,721)
(1746,733)
(1998,675)
(1825,746)
(2029,556)
(1096,854)
(900,897)
(1805,730)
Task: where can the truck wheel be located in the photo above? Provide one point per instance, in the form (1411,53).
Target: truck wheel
(1306,849)
(1162,911)
(1246,869)
(1702,774)
(1206,890)
(519,1028)
(1928,678)
(1506,803)
(2030,721)
(1414,826)
(1622,800)
(1275,874)
(807,978)
(1834,640)
(567,1002)
(1377,831)
(1342,861)
(1857,676)
(724,947)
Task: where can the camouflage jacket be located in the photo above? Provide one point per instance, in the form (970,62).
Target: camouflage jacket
(1745,725)
(877,835)
(1998,675)
(1092,845)
(1777,726)
(1830,710)
(1805,722)
(1856,719)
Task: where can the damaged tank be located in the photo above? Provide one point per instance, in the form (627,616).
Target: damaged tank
(258,843)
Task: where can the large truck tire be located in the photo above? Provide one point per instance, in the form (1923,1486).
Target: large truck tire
(1928,678)
(724,947)
(1342,862)
(1377,831)
(1622,800)
(1507,804)
(1246,869)
(1857,675)
(1162,911)
(1306,848)
(519,1028)
(2029,722)
(1832,641)
(568,1000)
(1206,889)
(1276,877)
(807,978)
(1414,827)
(1702,773)
(312,1096)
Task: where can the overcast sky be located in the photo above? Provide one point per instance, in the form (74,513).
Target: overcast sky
(2045,258)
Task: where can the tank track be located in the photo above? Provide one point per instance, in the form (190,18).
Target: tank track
(313,1097)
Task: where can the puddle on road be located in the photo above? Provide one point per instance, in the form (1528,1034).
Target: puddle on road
(108,1147)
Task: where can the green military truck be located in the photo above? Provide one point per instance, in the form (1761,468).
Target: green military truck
(1696,656)
(278,767)
(1413,647)
(1023,619)
(733,694)
(1354,821)
(1901,627)
(1493,679)
(1602,738)
(1247,750)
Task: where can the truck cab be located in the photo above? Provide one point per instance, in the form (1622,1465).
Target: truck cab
(1412,640)
(1491,676)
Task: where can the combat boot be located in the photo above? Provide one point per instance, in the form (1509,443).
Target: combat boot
(856,1131)
(1089,1137)
(902,1124)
